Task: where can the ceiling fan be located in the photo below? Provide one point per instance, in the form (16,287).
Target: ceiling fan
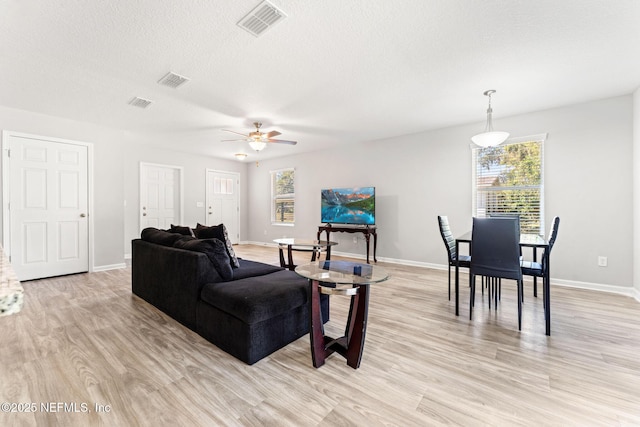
(258,140)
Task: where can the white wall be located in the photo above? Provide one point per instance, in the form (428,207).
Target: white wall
(117,155)
(108,174)
(588,179)
(194,169)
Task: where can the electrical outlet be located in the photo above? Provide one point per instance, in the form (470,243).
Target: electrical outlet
(355,240)
(602,261)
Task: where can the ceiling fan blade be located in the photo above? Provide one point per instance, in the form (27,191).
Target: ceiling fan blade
(238,133)
(283,141)
(272,134)
(225,140)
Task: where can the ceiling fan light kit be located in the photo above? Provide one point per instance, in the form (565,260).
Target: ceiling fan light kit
(489,138)
(257,139)
(257,145)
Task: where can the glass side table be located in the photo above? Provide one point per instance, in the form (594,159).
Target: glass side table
(340,278)
(302,245)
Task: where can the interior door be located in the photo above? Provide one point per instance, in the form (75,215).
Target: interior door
(222,201)
(160,196)
(48,206)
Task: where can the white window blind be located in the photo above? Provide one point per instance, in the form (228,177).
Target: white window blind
(509,180)
(283,196)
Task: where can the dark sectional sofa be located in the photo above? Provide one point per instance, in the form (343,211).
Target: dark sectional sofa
(257,311)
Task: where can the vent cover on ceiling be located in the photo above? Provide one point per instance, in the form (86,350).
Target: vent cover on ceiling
(173,80)
(261,18)
(140,102)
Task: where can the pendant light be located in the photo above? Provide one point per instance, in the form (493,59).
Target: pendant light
(489,138)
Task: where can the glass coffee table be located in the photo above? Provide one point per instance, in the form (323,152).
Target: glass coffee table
(340,278)
(301,245)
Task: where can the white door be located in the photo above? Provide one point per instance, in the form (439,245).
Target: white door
(223,202)
(48,206)
(160,196)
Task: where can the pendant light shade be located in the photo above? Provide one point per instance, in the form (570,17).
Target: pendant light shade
(489,138)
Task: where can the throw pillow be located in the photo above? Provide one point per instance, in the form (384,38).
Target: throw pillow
(206,232)
(214,249)
(185,231)
(160,237)
(218,232)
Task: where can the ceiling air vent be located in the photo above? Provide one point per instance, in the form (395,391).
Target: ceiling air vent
(261,18)
(173,80)
(140,102)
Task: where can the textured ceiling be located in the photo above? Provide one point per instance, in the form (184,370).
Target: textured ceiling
(333,72)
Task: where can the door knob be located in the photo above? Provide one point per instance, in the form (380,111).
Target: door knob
(144,214)
(82,215)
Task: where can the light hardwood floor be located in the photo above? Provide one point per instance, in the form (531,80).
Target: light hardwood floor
(85,339)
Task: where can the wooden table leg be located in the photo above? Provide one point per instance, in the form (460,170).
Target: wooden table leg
(366,238)
(328,256)
(357,327)
(351,345)
(292,266)
(316,327)
(282,263)
(375,244)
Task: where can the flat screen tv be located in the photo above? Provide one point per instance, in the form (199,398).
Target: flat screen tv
(355,206)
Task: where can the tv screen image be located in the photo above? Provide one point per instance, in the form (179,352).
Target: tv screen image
(349,206)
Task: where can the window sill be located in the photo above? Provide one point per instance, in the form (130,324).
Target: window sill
(283,224)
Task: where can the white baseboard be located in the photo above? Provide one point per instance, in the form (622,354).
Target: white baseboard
(108,267)
(622,290)
(249,242)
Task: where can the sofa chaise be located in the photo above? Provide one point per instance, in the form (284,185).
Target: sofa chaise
(246,308)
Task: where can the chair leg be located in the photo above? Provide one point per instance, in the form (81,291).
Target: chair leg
(472,296)
(470,286)
(520,292)
(498,292)
(449,282)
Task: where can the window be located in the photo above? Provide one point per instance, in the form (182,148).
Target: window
(509,179)
(282,196)
(222,185)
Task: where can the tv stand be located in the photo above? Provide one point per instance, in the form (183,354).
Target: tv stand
(367,230)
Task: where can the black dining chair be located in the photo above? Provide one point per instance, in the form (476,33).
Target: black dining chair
(539,269)
(495,255)
(450,244)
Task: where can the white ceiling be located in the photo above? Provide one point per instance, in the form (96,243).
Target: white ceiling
(333,72)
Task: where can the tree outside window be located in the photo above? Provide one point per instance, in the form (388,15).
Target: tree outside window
(283,196)
(509,181)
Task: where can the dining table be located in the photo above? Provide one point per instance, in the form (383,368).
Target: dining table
(533,241)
